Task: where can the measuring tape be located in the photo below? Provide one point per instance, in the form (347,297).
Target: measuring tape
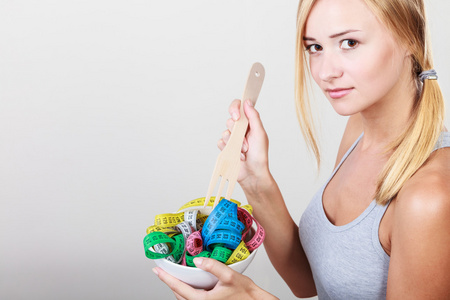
(194,231)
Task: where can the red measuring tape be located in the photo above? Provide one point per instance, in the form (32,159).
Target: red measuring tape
(222,235)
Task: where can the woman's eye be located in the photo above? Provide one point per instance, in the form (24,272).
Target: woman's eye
(349,44)
(314,48)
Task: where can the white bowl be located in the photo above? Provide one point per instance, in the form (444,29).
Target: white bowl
(197,278)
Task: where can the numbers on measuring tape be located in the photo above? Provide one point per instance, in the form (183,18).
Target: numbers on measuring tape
(182,236)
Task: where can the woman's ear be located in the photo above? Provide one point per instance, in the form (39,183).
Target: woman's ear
(407,50)
(408,53)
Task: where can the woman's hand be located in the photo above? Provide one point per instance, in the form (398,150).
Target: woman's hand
(231,285)
(254,156)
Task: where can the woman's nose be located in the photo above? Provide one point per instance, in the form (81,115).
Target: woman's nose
(330,67)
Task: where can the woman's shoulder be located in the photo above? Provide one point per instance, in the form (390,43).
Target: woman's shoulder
(427,192)
(420,230)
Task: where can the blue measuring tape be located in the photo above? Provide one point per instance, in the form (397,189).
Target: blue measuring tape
(222,226)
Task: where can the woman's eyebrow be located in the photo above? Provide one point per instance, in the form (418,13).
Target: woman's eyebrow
(305,38)
(342,33)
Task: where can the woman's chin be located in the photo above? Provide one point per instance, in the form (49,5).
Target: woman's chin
(345,111)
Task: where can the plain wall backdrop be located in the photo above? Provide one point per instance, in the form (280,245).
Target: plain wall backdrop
(110,112)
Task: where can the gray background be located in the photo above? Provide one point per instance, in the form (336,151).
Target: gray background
(109,114)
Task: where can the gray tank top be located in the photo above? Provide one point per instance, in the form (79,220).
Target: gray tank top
(347,262)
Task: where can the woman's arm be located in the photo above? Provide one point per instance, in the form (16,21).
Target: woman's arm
(282,241)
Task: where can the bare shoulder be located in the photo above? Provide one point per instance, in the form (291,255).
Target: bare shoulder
(425,197)
(352,131)
(429,188)
(421,233)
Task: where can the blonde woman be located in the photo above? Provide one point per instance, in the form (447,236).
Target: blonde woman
(380,226)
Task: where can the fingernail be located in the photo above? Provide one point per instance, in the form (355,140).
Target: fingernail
(155,271)
(235,116)
(250,103)
(198,261)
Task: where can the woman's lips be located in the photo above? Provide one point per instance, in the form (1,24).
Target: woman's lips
(338,93)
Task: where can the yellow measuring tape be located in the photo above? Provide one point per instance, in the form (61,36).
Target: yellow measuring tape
(180,237)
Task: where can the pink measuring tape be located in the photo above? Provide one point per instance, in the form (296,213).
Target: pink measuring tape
(227,234)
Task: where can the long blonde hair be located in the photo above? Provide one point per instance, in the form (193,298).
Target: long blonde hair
(406,20)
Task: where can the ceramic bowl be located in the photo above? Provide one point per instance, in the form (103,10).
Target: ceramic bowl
(198,278)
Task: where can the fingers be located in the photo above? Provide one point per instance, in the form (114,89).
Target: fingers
(234,109)
(181,289)
(245,145)
(252,114)
(225,274)
(230,124)
(223,142)
(244,149)
(235,115)
(226,135)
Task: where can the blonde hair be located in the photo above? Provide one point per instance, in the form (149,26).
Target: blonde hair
(407,22)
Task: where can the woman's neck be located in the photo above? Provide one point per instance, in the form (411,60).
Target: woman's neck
(385,121)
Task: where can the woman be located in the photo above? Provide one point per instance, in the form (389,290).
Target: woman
(371,59)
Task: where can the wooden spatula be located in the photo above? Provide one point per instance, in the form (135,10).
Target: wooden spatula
(228,161)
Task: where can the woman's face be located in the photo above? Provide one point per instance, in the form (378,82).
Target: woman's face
(354,58)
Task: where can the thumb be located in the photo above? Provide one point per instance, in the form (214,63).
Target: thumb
(215,267)
(252,114)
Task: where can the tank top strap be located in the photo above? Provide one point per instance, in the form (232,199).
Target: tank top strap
(347,154)
(443,141)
